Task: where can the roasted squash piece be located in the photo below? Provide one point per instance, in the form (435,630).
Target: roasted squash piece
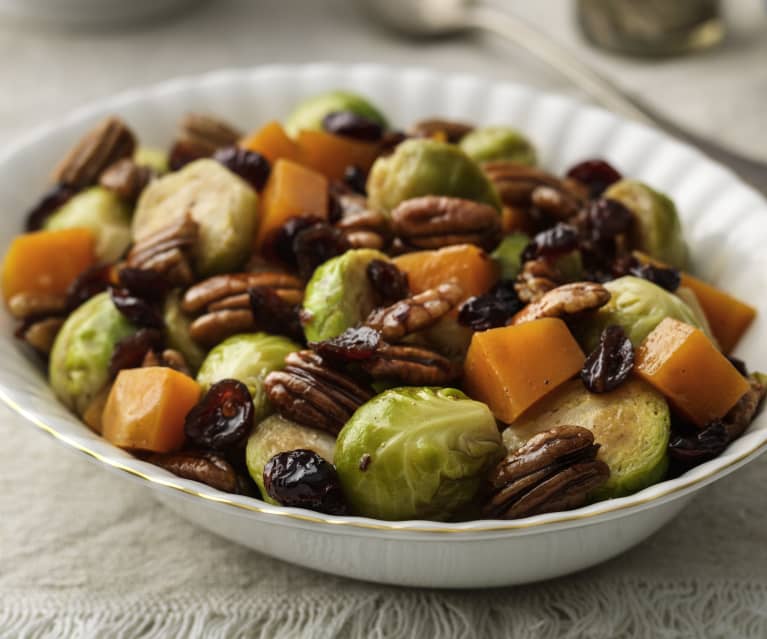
(331,154)
(511,368)
(47,261)
(272,142)
(687,368)
(292,190)
(146,409)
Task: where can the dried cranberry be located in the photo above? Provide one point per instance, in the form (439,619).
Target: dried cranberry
(223,418)
(739,364)
(691,450)
(351,125)
(252,167)
(605,219)
(316,245)
(183,153)
(281,246)
(303,479)
(147,284)
(491,310)
(138,311)
(90,282)
(610,364)
(355,179)
(388,281)
(56,197)
(357,343)
(596,174)
(667,278)
(273,314)
(129,352)
(557,240)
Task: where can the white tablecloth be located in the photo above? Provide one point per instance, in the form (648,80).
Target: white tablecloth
(84,553)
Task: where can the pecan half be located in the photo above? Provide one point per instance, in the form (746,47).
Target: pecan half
(169,358)
(225,291)
(567,299)
(311,393)
(536,278)
(203,466)
(214,327)
(26,305)
(410,365)
(555,470)
(110,140)
(199,136)
(415,313)
(365,229)
(434,221)
(41,334)
(169,251)
(452,130)
(126,178)
(743,413)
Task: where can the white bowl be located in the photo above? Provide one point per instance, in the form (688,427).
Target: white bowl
(725,223)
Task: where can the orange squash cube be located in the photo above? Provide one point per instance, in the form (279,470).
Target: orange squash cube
(331,154)
(292,190)
(146,409)
(272,142)
(46,261)
(468,265)
(511,368)
(687,368)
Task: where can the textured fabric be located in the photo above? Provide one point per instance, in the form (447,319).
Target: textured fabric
(84,553)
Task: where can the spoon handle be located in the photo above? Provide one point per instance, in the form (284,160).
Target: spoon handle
(604,91)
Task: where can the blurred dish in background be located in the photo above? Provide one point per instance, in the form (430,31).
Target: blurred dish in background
(653,28)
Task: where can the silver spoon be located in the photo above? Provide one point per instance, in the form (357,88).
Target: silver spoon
(444,17)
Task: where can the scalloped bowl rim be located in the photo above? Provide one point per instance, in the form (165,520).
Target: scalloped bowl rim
(744,450)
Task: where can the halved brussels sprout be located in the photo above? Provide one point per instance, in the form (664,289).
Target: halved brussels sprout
(631,424)
(637,306)
(79,362)
(102,212)
(657,229)
(508,254)
(310,113)
(279,435)
(416,453)
(490,143)
(427,167)
(248,357)
(339,294)
(177,331)
(152,158)
(224,206)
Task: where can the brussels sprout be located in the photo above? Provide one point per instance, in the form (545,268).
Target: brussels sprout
(156,159)
(638,306)
(631,424)
(508,254)
(687,295)
(339,294)
(426,450)
(498,143)
(101,211)
(657,229)
(177,331)
(248,358)
(224,206)
(279,435)
(427,167)
(79,362)
(310,113)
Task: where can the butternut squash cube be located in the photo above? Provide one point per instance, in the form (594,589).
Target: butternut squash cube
(291,191)
(685,366)
(331,154)
(468,265)
(511,368)
(47,261)
(146,409)
(272,142)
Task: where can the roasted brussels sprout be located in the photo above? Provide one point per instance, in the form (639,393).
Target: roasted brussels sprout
(310,113)
(224,206)
(155,159)
(278,435)
(657,229)
(490,143)
(103,213)
(416,453)
(248,357)
(339,294)
(508,254)
(177,332)
(79,362)
(637,306)
(631,424)
(427,167)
